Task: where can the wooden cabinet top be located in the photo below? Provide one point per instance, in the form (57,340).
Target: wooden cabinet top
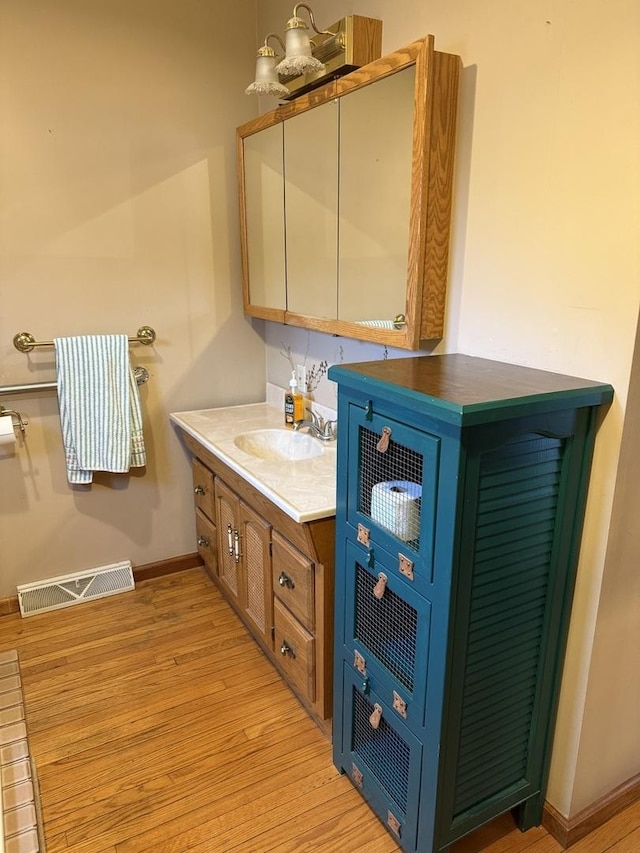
(465,389)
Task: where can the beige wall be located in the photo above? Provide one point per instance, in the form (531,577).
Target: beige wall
(117,209)
(545,272)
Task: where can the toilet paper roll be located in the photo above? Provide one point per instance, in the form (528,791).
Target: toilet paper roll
(395,506)
(7,435)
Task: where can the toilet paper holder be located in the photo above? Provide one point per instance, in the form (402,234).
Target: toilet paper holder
(17,419)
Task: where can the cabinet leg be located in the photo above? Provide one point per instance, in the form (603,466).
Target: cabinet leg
(530,812)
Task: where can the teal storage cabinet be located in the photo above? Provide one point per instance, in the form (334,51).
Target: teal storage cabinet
(461,493)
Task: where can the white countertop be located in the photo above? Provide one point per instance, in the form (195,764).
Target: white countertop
(304,489)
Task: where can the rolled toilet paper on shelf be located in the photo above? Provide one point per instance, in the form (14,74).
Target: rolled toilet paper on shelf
(7,435)
(395,506)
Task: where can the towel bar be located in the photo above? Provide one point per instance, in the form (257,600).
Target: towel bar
(141,374)
(25,342)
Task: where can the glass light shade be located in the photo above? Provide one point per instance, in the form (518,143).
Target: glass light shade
(298,59)
(266,82)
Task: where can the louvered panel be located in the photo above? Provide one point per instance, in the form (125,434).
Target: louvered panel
(541,529)
(508,669)
(509,768)
(504,628)
(517,497)
(480,742)
(504,568)
(531,511)
(504,489)
(513,709)
(496,696)
(513,546)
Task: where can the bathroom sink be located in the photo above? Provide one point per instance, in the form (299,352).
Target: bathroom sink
(280,445)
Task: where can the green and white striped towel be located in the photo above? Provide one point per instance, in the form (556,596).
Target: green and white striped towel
(99,403)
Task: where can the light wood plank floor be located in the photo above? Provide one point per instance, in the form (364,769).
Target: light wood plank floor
(157,725)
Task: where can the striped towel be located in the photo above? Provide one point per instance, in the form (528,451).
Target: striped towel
(378,324)
(99,403)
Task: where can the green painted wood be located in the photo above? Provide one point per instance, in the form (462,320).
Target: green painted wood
(505,463)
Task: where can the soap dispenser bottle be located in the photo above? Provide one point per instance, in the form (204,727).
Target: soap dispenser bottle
(293,403)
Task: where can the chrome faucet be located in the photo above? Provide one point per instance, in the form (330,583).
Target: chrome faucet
(317,426)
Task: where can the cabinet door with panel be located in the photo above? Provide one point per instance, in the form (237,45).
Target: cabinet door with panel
(244,547)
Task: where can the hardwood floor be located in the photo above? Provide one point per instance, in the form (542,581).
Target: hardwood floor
(157,725)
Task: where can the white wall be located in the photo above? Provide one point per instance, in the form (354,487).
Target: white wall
(545,272)
(118,208)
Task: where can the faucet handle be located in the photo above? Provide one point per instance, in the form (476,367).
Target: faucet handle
(328,428)
(316,420)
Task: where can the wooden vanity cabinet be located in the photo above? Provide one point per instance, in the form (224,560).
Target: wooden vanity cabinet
(276,573)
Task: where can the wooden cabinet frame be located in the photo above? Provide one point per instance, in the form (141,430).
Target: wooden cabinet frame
(435,106)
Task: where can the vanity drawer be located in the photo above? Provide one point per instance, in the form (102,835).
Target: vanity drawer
(295,649)
(203,488)
(293,580)
(206,540)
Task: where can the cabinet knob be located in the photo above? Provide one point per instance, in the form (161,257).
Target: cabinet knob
(285,580)
(381,585)
(199,490)
(286,650)
(203,541)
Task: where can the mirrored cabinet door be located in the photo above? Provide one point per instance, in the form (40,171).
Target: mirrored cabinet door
(311,210)
(264,218)
(375,200)
(345,201)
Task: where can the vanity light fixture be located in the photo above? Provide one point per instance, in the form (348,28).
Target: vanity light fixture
(299,58)
(266,81)
(306,63)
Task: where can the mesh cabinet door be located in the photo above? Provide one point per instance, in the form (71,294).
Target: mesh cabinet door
(391,495)
(383,758)
(387,630)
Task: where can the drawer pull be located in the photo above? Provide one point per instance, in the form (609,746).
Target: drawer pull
(236,546)
(203,541)
(285,580)
(376,716)
(230,539)
(380,587)
(199,490)
(286,650)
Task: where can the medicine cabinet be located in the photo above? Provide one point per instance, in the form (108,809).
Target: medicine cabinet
(345,201)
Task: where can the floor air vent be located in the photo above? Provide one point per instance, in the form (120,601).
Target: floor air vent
(54,593)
